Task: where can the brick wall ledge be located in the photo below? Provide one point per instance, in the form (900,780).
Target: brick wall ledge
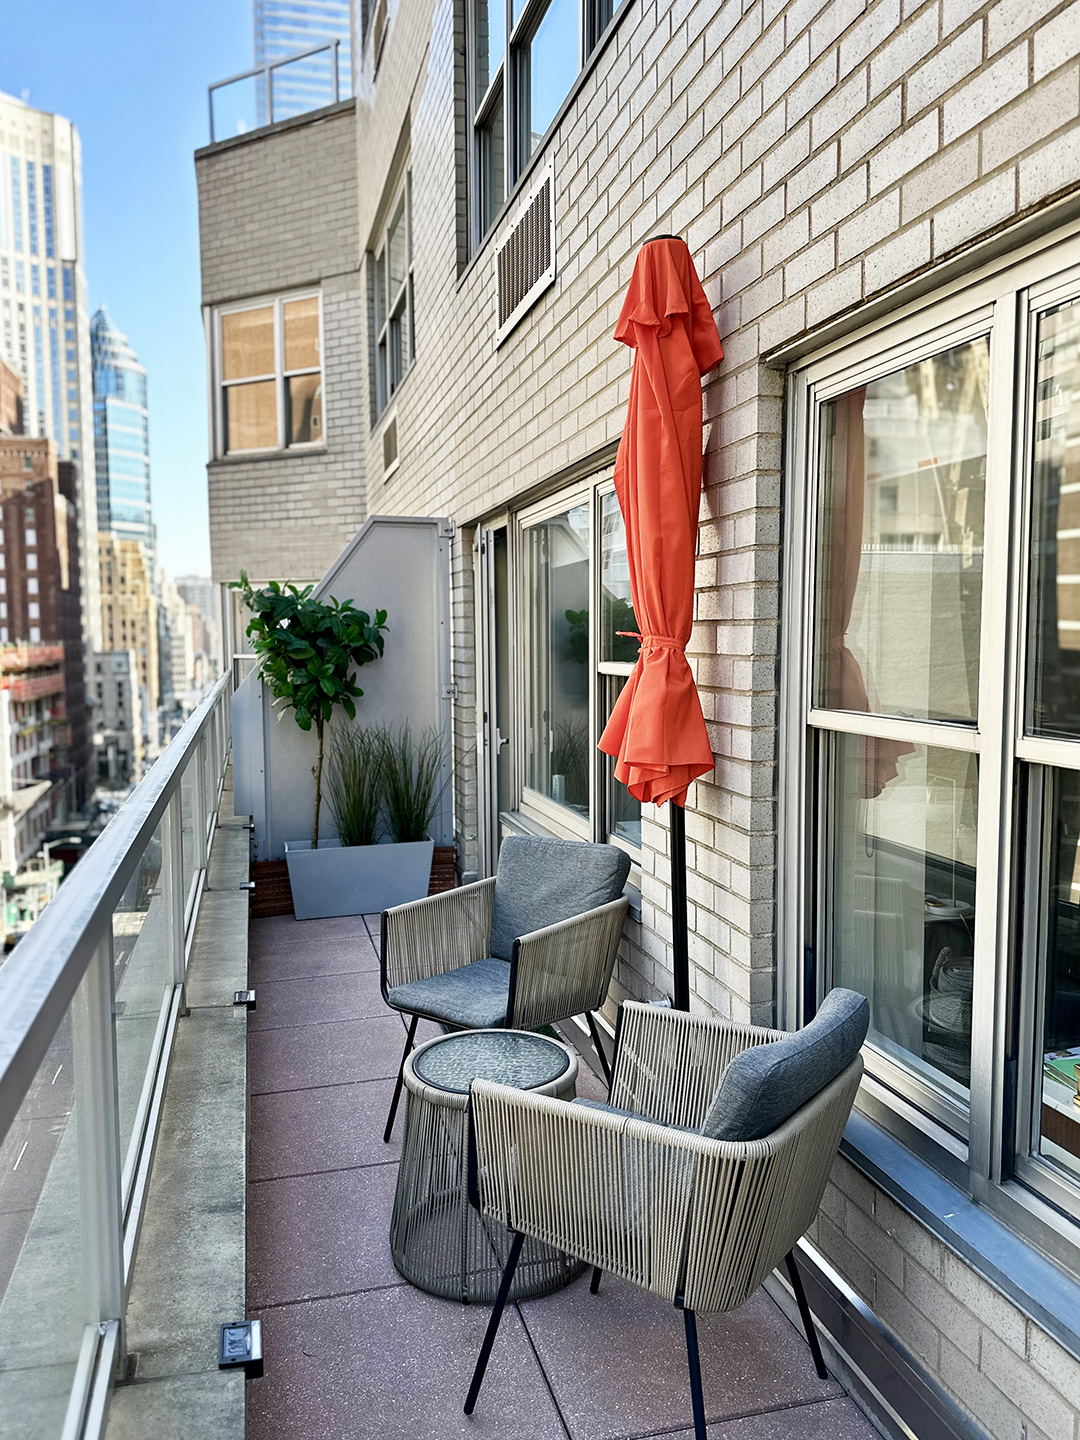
(1045,1294)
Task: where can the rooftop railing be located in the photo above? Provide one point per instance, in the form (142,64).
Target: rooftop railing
(89,1002)
(276,90)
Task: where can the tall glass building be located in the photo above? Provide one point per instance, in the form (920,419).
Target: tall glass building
(283,27)
(121,445)
(44,331)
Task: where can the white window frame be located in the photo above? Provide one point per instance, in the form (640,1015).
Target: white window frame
(397,307)
(279,375)
(542,810)
(976,1150)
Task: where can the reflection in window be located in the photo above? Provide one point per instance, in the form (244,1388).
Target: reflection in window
(1057,1118)
(552,69)
(393,287)
(901,906)
(1054,683)
(904,473)
(616,606)
(556,586)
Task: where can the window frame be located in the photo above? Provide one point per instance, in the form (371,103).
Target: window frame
(280,376)
(989,1154)
(399,306)
(508,86)
(536,807)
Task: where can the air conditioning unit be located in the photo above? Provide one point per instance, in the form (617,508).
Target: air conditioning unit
(525,259)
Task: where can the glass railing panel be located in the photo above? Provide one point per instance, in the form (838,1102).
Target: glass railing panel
(143,982)
(42,1307)
(236,108)
(188,806)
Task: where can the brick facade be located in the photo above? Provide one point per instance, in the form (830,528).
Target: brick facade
(277,212)
(815,154)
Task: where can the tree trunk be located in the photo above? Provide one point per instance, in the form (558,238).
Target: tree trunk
(316,770)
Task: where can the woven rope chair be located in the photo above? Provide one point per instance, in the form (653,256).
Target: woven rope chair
(632,1189)
(528,948)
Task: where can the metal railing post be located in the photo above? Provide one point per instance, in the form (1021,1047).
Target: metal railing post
(173,887)
(337,92)
(210,99)
(97,1122)
(268,83)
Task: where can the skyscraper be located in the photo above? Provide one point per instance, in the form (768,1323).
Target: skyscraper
(44,332)
(121,446)
(283,27)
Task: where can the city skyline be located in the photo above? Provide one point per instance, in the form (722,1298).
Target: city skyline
(140,221)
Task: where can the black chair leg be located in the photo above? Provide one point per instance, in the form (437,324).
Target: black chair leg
(693,1363)
(594,1283)
(400,1080)
(493,1324)
(807,1318)
(594,1031)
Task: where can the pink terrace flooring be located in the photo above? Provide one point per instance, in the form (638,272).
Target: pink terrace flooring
(353,1351)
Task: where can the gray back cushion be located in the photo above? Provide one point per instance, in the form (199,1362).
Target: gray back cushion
(766,1084)
(541,882)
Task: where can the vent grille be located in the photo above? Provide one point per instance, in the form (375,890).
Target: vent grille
(389,448)
(525,261)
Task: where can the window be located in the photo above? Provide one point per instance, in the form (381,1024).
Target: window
(523,61)
(930,761)
(393,299)
(574,589)
(269,366)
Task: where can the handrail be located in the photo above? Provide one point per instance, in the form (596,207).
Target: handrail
(266,71)
(41,976)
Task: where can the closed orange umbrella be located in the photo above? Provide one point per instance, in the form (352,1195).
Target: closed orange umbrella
(657,731)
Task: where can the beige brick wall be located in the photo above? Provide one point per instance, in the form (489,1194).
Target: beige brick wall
(998,1365)
(277,212)
(814,153)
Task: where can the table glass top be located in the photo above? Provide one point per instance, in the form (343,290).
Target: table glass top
(510,1057)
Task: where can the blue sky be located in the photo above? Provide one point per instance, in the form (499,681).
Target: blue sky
(132,75)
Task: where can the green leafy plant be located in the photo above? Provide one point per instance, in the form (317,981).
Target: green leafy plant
(307,649)
(413,780)
(355,786)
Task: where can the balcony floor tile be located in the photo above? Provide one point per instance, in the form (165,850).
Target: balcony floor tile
(342,1052)
(319,1235)
(394,1364)
(317,999)
(335,1127)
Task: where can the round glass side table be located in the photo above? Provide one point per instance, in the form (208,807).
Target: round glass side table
(438,1240)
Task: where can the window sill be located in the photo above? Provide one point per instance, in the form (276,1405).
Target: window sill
(256,457)
(1031,1281)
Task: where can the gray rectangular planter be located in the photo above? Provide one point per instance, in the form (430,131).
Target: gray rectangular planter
(341,879)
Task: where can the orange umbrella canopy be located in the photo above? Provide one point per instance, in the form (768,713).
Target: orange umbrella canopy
(657,731)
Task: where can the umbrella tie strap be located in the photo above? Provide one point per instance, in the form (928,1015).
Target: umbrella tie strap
(653,642)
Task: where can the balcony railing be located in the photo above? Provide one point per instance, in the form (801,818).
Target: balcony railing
(89,1002)
(308,85)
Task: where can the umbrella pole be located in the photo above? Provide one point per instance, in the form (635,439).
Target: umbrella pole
(679,935)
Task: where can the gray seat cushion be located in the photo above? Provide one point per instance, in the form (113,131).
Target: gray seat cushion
(474,996)
(541,882)
(766,1084)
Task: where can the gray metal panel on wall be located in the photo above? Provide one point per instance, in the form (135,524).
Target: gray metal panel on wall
(402,566)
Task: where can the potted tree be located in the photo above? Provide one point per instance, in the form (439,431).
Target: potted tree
(308,651)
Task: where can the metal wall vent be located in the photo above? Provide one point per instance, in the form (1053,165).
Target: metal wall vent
(525,261)
(389,447)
